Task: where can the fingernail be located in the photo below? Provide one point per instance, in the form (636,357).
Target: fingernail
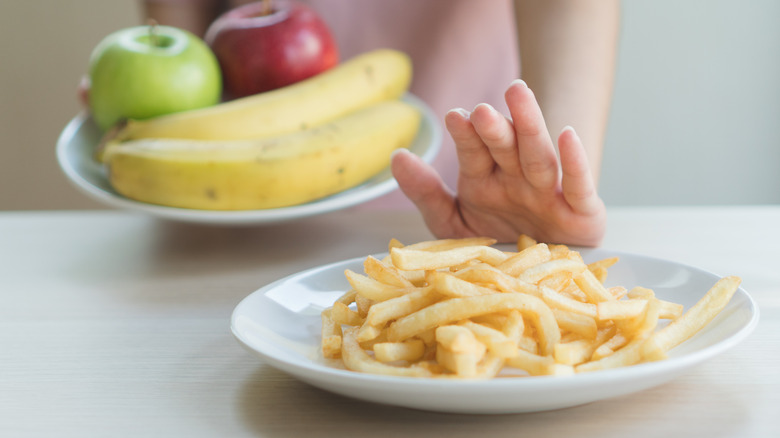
(519,81)
(460,111)
(488,106)
(399,151)
(569,128)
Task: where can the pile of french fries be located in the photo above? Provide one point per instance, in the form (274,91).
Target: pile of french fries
(461,308)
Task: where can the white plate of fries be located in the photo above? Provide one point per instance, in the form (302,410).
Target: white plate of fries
(79,139)
(464,326)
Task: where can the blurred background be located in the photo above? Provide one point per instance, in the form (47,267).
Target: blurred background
(695,120)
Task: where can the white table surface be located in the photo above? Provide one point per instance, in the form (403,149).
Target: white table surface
(117,324)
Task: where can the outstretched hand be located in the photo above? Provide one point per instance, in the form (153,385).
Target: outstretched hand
(511,180)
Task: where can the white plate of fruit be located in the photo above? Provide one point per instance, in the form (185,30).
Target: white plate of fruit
(316,145)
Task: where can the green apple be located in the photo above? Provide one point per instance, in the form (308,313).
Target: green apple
(148,71)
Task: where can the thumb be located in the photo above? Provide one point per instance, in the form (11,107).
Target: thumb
(424,187)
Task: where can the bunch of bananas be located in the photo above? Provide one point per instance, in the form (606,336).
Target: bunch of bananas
(275,149)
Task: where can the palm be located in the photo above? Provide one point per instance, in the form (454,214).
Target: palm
(504,207)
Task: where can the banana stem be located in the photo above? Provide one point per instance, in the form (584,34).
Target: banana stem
(110,136)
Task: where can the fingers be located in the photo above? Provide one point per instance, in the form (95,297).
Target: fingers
(485,139)
(498,135)
(579,189)
(473,157)
(423,186)
(538,159)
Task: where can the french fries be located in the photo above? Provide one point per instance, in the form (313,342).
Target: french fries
(460,308)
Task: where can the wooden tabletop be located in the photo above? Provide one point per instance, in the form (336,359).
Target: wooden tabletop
(117,324)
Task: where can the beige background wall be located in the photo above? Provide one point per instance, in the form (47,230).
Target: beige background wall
(696,115)
(45,48)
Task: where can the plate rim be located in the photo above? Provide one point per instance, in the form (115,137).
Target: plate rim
(344,199)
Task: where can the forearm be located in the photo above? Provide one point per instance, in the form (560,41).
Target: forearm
(568,52)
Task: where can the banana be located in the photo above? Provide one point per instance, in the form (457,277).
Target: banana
(371,77)
(265,173)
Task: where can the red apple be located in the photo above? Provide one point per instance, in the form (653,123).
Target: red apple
(269,44)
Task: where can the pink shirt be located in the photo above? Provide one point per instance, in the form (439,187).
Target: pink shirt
(463,51)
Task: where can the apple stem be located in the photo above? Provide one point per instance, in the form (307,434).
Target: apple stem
(153,31)
(267,7)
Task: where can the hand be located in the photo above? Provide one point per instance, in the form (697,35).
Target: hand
(510,181)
